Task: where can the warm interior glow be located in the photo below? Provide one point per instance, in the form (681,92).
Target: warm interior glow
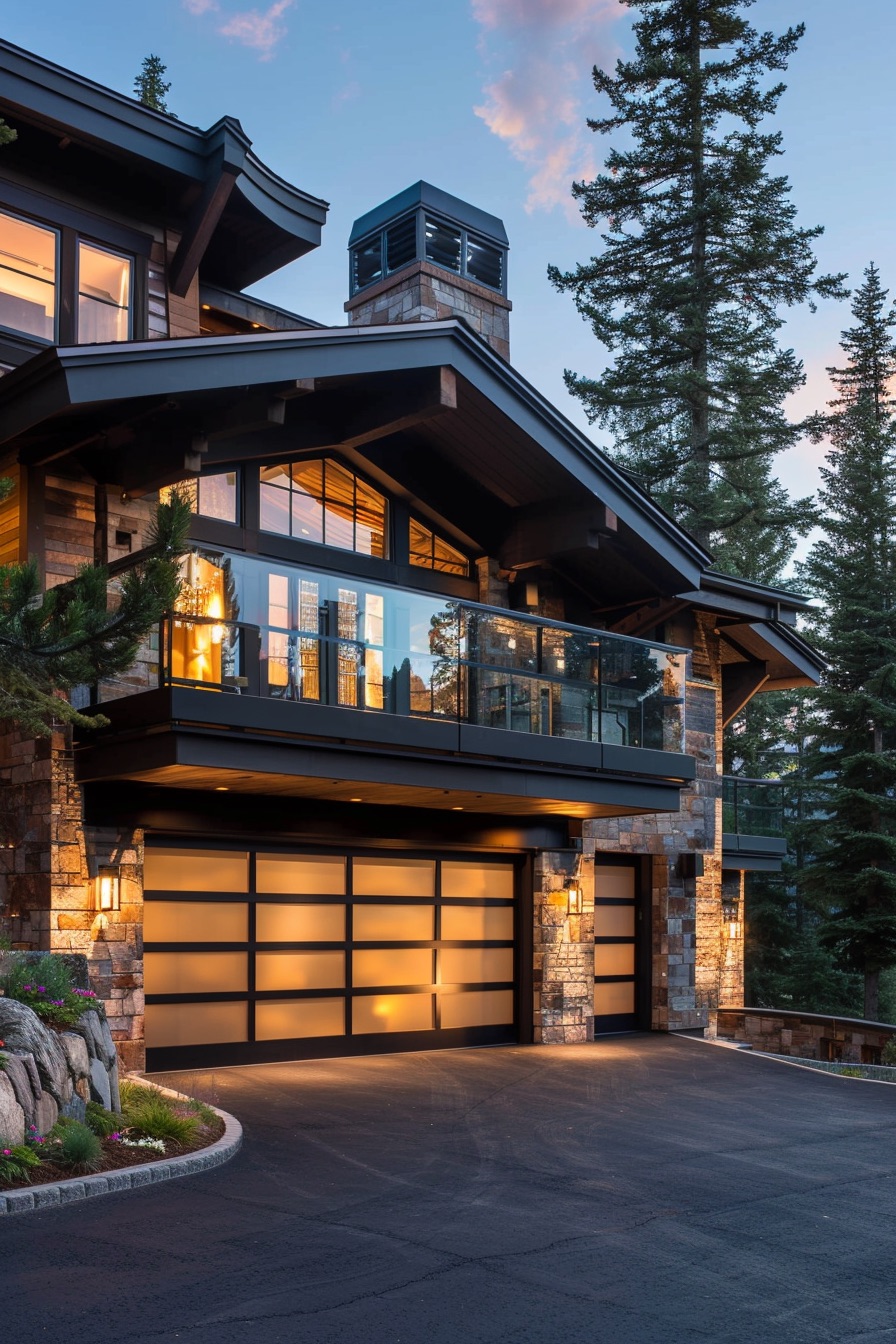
(392,1012)
(27,277)
(196,870)
(196,644)
(474,881)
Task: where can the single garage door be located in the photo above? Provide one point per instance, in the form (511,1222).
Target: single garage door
(257,954)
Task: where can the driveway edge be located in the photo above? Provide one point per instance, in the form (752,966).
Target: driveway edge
(793,1063)
(31,1198)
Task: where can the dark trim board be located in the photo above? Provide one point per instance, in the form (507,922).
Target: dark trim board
(162,1060)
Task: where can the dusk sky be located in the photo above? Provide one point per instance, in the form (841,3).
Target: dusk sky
(353,101)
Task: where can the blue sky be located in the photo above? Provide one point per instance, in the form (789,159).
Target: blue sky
(353,101)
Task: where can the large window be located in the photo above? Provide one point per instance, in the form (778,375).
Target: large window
(209,496)
(321,501)
(104,295)
(99,285)
(28,277)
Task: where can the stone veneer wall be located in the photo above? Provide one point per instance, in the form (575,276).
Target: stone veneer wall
(48,858)
(804,1035)
(421,292)
(697,960)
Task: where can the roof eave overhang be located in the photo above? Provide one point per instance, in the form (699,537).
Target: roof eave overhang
(792,662)
(289,220)
(80,376)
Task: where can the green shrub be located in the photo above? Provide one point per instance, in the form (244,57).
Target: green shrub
(207,1114)
(45,986)
(79,1148)
(155,1115)
(102,1122)
(16,1163)
(888,1054)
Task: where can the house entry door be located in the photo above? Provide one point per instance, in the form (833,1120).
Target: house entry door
(615,947)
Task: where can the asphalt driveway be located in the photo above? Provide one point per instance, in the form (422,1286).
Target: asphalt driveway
(643,1190)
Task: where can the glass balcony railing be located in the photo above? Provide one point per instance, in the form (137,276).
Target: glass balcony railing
(250,627)
(752,806)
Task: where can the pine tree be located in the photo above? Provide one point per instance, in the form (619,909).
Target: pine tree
(150,87)
(702,252)
(66,637)
(852,570)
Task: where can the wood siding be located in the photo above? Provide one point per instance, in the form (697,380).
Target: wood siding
(12,516)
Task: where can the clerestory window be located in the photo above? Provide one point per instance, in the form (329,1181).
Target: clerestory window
(319,500)
(430,551)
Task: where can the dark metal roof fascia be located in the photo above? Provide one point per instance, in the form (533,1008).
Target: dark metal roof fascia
(104,116)
(251,307)
(210,362)
(791,645)
(713,580)
(442,202)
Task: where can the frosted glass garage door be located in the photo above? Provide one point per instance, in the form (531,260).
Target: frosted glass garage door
(285,954)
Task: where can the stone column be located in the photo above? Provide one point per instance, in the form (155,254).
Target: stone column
(563,946)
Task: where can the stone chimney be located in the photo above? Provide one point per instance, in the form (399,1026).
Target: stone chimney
(424,256)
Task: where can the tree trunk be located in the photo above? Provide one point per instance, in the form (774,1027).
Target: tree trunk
(697,523)
(872,996)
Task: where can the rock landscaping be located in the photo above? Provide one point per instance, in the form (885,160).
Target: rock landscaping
(63,1109)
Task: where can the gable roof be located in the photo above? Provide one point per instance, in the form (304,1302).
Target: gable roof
(536,453)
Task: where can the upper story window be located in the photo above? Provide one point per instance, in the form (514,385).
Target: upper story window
(429,551)
(209,496)
(104,294)
(28,268)
(320,500)
(97,286)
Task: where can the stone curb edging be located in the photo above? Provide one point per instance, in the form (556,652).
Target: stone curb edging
(791,1062)
(56,1193)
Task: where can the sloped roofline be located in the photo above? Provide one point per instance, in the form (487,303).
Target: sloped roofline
(61,378)
(80,107)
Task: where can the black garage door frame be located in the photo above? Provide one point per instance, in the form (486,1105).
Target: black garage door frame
(251,1051)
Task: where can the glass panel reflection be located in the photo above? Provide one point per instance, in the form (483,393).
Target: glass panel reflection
(392,1012)
(275,629)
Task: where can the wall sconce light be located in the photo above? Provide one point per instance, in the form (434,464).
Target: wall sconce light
(730,912)
(573,897)
(107,888)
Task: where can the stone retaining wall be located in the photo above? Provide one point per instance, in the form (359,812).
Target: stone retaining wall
(804,1035)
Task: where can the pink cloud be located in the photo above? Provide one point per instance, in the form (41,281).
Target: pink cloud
(260,31)
(347,94)
(539,102)
(199,6)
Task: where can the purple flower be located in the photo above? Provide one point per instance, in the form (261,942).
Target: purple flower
(7,1152)
(115,1137)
